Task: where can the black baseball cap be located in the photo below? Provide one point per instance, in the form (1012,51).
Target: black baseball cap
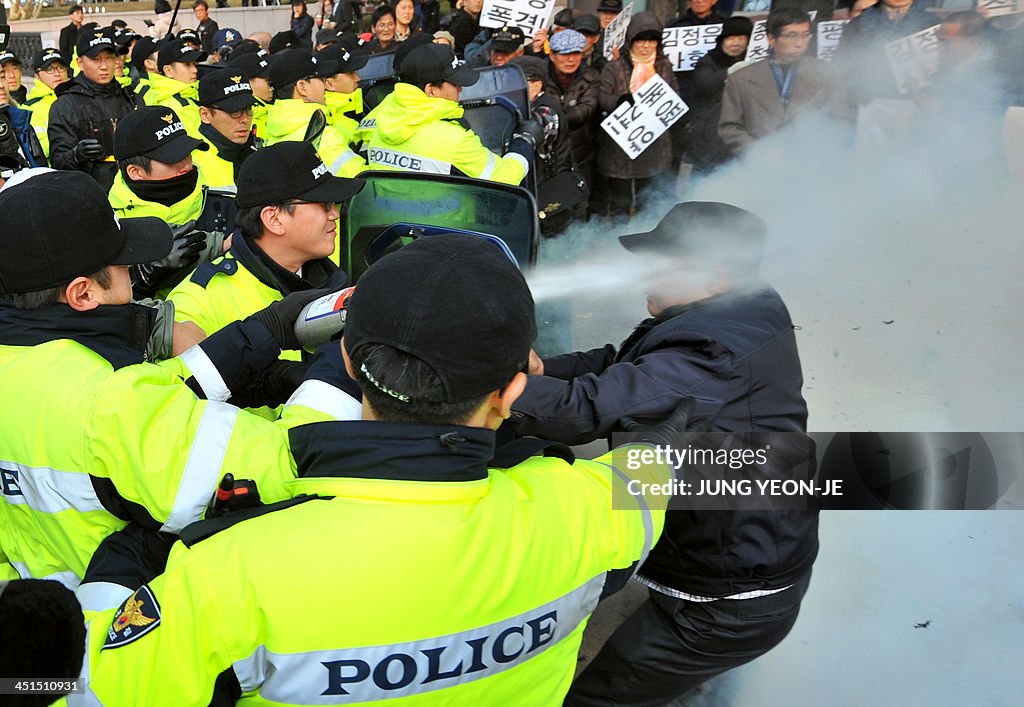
(327,36)
(704,230)
(609,6)
(178,50)
(8,57)
(144,49)
(435,64)
(457,303)
(157,133)
(588,24)
(290,170)
(338,60)
(563,18)
(507,39)
(255,64)
(123,37)
(416,39)
(45,57)
(38,250)
(534,68)
(95,40)
(291,65)
(226,89)
(189,35)
(283,40)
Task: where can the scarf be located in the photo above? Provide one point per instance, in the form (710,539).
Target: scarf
(227,150)
(164,191)
(642,71)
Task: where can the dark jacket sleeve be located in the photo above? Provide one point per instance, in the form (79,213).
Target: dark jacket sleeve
(590,406)
(568,366)
(63,135)
(586,103)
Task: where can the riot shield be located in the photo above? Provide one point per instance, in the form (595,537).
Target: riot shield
(397,207)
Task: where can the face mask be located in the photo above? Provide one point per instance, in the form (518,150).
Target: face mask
(165,191)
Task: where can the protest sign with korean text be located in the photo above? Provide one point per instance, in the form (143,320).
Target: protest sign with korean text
(995,8)
(635,126)
(684,46)
(914,59)
(758,47)
(829,34)
(528,15)
(615,32)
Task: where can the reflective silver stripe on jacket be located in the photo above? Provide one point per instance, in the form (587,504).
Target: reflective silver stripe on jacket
(68,578)
(47,490)
(203,468)
(489,167)
(341,160)
(99,596)
(381,156)
(206,374)
(520,159)
(324,397)
(382,672)
(645,512)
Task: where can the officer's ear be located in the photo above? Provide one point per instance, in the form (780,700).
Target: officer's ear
(504,398)
(135,172)
(347,360)
(80,294)
(205,115)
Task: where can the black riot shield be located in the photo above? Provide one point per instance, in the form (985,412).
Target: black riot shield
(395,208)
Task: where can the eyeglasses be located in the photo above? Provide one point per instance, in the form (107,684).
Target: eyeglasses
(310,78)
(54,69)
(325,205)
(236,114)
(795,35)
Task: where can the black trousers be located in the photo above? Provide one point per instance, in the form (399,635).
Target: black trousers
(670,646)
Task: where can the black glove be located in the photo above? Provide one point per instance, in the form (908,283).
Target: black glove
(530,130)
(279,318)
(668,432)
(273,387)
(187,245)
(89,150)
(625,98)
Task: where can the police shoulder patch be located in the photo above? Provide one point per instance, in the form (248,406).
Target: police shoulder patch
(138,615)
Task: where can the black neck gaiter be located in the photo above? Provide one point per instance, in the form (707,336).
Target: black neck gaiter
(164,191)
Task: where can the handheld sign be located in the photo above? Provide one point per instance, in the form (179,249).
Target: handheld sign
(615,32)
(528,15)
(684,46)
(655,108)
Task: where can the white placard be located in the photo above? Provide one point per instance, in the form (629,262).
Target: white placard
(995,8)
(914,59)
(615,32)
(684,46)
(828,38)
(634,127)
(528,15)
(758,47)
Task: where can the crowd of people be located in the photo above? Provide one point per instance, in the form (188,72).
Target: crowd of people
(242,512)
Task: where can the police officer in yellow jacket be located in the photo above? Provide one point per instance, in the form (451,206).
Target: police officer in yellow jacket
(156,177)
(299,110)
(342,95)
(175,85)
(225,106)
(51,71)
(257,67)
(93,437)
(418,569)
(419,128)
(225,109)
(287,214)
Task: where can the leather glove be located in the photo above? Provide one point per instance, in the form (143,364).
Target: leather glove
(274,386)
(670,431)
(161,337)
(279,318)
(187,245)
(214,247)
(530,130)
(89,150)
(625,98)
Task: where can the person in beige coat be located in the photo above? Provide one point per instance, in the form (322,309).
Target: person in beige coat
(765,96)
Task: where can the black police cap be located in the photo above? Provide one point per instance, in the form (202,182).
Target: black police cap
(155,132)
(227,89)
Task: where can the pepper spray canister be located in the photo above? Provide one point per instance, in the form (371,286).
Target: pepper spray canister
(322,319)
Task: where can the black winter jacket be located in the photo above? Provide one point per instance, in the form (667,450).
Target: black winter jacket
(84,109)
(736,355)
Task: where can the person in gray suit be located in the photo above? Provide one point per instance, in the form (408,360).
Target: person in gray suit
(765,96)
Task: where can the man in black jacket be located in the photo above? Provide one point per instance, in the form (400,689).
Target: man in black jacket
(726,584)
(85,114)
(69,32)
